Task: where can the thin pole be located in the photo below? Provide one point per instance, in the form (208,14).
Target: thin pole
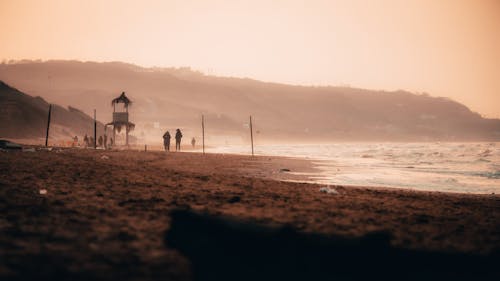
(203,131)
(126,136)
(48,126)
(95,131)
(105,136)
(251,133)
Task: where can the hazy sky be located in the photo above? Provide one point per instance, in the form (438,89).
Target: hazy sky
(443,47)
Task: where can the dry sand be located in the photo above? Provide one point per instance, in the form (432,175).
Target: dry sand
(105,213)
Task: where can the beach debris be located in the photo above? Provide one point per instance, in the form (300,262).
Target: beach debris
(42,191)
(451,180)
(485,153)
(8,145)
(125,236)
(284,170)
(328,190)
(203,178)
(234,199)
(104,157)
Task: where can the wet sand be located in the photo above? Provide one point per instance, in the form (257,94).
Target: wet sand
(105,213)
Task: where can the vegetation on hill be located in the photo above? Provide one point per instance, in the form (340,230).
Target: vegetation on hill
(24,116)
(176,97)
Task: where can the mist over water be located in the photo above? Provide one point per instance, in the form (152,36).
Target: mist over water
(446,167)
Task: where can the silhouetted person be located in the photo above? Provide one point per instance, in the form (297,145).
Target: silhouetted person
(105,141)
(193,142)
(100,140)
(86,140)
(166,141)
(178,137)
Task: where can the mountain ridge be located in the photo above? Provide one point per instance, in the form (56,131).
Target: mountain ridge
(24,116)
(176,97)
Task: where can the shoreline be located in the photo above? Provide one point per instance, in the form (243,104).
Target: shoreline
(310,170)
(349,171)
(303,168)
(450,168)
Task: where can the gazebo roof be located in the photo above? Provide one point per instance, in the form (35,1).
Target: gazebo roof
(122,99)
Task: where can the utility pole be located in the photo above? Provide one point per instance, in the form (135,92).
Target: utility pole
(203,132)
(251,133)
(48,126)
(95,131)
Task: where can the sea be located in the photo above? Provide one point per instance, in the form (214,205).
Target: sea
(437,166)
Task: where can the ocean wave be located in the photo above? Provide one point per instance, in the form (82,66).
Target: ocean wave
(458,167)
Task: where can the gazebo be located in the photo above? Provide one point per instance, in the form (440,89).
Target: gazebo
(120,117)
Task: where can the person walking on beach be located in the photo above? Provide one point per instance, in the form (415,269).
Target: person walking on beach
(100,140)
(166,141)
(86,140)
(193,142)
(178,137)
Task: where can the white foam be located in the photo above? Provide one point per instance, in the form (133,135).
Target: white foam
(450,167)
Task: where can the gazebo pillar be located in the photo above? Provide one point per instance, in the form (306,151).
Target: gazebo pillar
(126,135)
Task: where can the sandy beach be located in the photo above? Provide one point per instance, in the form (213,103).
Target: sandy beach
(85,214)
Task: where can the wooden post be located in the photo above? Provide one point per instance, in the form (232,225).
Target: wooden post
(251,133)
(203,132)
(48,126)
(95,131)
(105,137)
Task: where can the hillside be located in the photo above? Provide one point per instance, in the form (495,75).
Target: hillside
(25,117)
(283,113)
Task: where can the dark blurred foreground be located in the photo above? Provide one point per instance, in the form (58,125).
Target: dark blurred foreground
(227,249)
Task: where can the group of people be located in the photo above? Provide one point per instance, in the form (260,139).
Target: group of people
(178,138)
(102,141)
